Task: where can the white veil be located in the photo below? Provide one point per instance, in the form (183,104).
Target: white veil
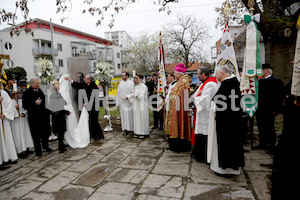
(77,134)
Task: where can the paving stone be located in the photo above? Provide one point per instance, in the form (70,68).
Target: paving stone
(51,170)
(39,196)
(158,143)
(107,147)
(152,197)
(19,190)
(85,163)
(155,181)
(131,144)
(201,173)
(259,165)
(147,151)
(102,196)
(260,185)
(47,159)
(211,192)
(14,177)
(58,182)
(173,188)
(138,163)
(128,175)
(95,175)
(117,188)
(117,156)
(74,192)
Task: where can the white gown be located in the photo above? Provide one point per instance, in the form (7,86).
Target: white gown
(126,111)
(139,97)
(18,130)
(26,130)
(78,133)
(8,150)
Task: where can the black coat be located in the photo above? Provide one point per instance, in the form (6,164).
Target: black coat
(38,115)
(270,95)
(228,126)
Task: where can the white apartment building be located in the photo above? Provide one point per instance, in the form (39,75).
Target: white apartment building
(120,38)
(25,49)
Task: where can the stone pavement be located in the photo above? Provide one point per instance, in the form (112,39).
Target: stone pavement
(123,167)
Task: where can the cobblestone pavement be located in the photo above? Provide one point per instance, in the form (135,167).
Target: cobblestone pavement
(123,167)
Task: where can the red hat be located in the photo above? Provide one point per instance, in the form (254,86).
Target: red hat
(180,68)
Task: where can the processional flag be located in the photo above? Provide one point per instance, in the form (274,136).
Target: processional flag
(296,69)
(162,82)
(252,65)
(226,54)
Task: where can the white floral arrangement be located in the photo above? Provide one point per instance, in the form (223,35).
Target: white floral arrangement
(103,73)
(45,71)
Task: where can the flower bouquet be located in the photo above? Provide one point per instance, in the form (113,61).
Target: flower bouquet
(45,71)
(103,72)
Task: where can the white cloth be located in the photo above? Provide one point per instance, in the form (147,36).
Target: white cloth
(138,97)
(78,133)
(26,130)
(167,100)
(17,130)
(202,103)
(126,111)
(212,145)
(7,110)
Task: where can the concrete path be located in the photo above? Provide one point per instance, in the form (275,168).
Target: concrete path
(123,167)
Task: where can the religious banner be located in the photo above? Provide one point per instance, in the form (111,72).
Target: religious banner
(252,66)
(226,54)
(296,70)
(162,82)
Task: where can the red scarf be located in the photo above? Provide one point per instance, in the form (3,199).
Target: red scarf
(195,112)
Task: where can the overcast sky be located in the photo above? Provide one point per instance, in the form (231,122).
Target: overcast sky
(142,16)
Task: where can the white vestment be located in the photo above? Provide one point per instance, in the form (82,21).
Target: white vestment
(138,97)
(18,130)
(202,103)
(167,100)
(78,133)
(25,124)
(126,111)
(7,110)
(212,145)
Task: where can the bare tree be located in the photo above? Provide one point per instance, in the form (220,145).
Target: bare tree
(186,35)
(95,8)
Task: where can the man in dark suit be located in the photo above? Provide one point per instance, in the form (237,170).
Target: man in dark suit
(89,85)
(38,116)
(270,102)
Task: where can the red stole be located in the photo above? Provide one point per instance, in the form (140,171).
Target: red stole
(195,111)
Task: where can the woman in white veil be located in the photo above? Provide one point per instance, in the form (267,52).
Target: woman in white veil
(77,134)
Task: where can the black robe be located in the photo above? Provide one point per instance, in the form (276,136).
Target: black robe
(95,129)
(38,118)
(228,127)
(270,101)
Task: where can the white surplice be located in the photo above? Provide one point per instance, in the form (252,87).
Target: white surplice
(18,130)
(202,103)
(167,100)
(7,110)
(139,99)
(78,133)
(212,145)
(126,111)
(26,129)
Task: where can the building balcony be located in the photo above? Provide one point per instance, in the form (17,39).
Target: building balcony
(44,51)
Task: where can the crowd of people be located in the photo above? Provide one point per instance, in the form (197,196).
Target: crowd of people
(207,118)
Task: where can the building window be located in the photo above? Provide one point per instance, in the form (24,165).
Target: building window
(118,55)
(49,45)
(59,47)
(119,66)
(60,62)
(8,46)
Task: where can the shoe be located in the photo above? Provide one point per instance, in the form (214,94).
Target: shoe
(154,127)
(49,149)
(161,129)
(29,152)
(38,154)
(135,136)
(12,162)
(62,150)
(141,137)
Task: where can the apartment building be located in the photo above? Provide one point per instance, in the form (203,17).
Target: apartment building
(120,38)
(25,49)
